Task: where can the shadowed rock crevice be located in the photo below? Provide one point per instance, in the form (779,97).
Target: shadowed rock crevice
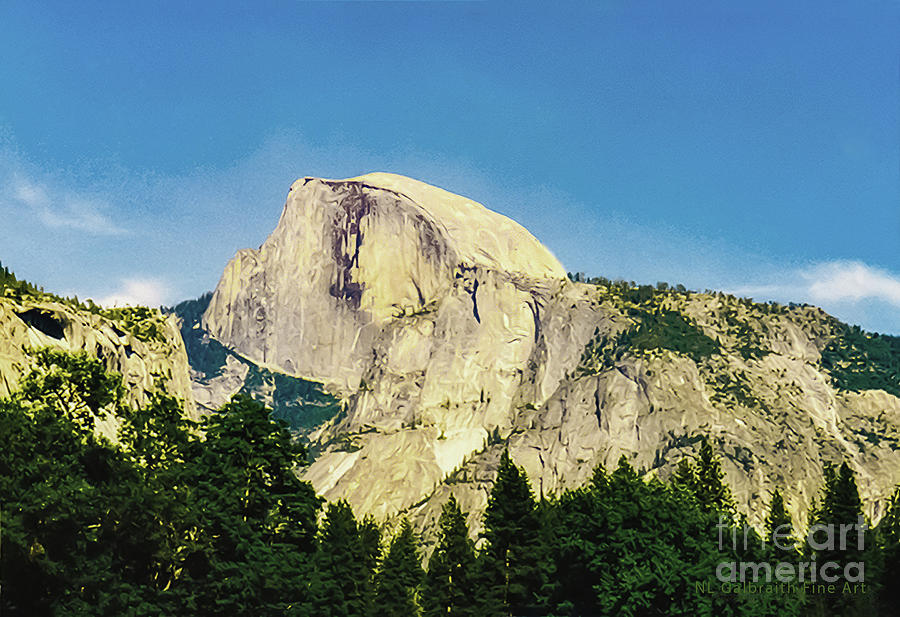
(44,321)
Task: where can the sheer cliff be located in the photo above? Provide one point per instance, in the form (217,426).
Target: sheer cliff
(448,332)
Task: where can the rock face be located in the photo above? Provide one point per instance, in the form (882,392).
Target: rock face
(31,323)
(449,332)
(350,258)
(217,373)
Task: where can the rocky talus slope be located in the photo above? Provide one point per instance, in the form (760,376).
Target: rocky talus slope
(141,344)
(448,332)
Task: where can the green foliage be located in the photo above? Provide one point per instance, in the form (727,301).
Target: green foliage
(685,478)
(300,403)
(660,320)
(840,505)
(158,436)
(656,325)
(840,499)
(211,520)
(20,290)
(247,533)
(513,547)
(750,342)
(81,529)
(167,522)
(889,527)
(12,287)
(859,360)
(713,494)
(451,570)
(669,330)
(207,356)
(145,324)
(888,534)
(74,385)
(703,482)
(778,524)
(655,329)
(400,575)
(626,546)
(343,581)
(732,386)
(253,460)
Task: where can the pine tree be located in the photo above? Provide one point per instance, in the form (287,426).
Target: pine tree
(337,589)
(158,435)
(841,505)
(254,459)
(489,586)
(712,492)
(251,513)
(511,528)
(842,502)
(451,577)
(778,522)
(82,531)
(341,584)
(599,479)
(685,477)
(546,594)
(889,542)
(630,546)
(399,577)
(370,553)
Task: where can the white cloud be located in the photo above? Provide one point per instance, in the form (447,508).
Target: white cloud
(852,291)
(848,282)
(852,281)
(138,292)
(60,209)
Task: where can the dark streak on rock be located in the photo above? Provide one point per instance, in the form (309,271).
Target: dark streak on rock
(536,313)
(351,210)
(431,238)
(433,244)
(419,293)
(475,301)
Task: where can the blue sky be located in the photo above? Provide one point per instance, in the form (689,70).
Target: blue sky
(751,148)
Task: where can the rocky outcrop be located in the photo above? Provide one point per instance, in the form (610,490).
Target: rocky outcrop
(28,323)
(350,258)
(652,407)
(449,333)
(218,373)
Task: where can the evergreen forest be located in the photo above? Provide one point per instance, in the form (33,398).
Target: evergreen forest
(181,518)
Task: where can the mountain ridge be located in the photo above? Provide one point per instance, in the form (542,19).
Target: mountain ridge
(451,360)
(468,359)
